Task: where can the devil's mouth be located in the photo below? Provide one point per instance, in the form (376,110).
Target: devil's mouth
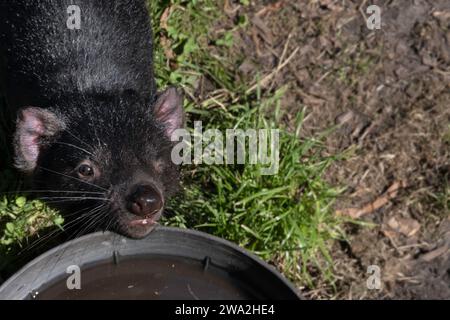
(147,221)
(143,222)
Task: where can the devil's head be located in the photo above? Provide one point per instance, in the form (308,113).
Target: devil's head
(105,161)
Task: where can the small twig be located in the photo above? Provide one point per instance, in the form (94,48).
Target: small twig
(268,77)
(229,9)
(429,256)
(375,205)
(269,8)
(286,45)
(362,11)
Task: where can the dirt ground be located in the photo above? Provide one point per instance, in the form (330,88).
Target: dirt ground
(388,92)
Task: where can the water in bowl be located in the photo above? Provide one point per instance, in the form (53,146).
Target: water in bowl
(152,277)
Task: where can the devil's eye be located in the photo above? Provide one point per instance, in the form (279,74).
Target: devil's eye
(85,170)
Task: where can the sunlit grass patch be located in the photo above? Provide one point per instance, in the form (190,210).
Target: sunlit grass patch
(285,218)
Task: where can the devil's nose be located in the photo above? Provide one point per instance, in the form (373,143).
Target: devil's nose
(145,201)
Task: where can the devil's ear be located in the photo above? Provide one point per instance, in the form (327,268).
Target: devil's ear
(168,110)
(34,129)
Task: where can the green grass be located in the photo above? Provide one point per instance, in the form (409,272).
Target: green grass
(285,218)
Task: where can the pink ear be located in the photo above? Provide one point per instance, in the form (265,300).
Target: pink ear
(168,110)
(33,125)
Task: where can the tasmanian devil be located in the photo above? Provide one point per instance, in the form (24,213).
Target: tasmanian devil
(92,131)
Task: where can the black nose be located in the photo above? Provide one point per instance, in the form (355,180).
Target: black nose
(145,201)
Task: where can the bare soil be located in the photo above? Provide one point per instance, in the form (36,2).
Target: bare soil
(388,92)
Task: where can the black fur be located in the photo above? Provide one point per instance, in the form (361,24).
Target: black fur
(93,97)
(112,51)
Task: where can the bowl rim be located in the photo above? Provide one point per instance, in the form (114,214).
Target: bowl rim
(105,236)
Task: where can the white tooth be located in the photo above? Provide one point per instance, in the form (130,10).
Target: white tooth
(144,221)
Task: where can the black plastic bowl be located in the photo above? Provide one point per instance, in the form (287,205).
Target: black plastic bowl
(170,263)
